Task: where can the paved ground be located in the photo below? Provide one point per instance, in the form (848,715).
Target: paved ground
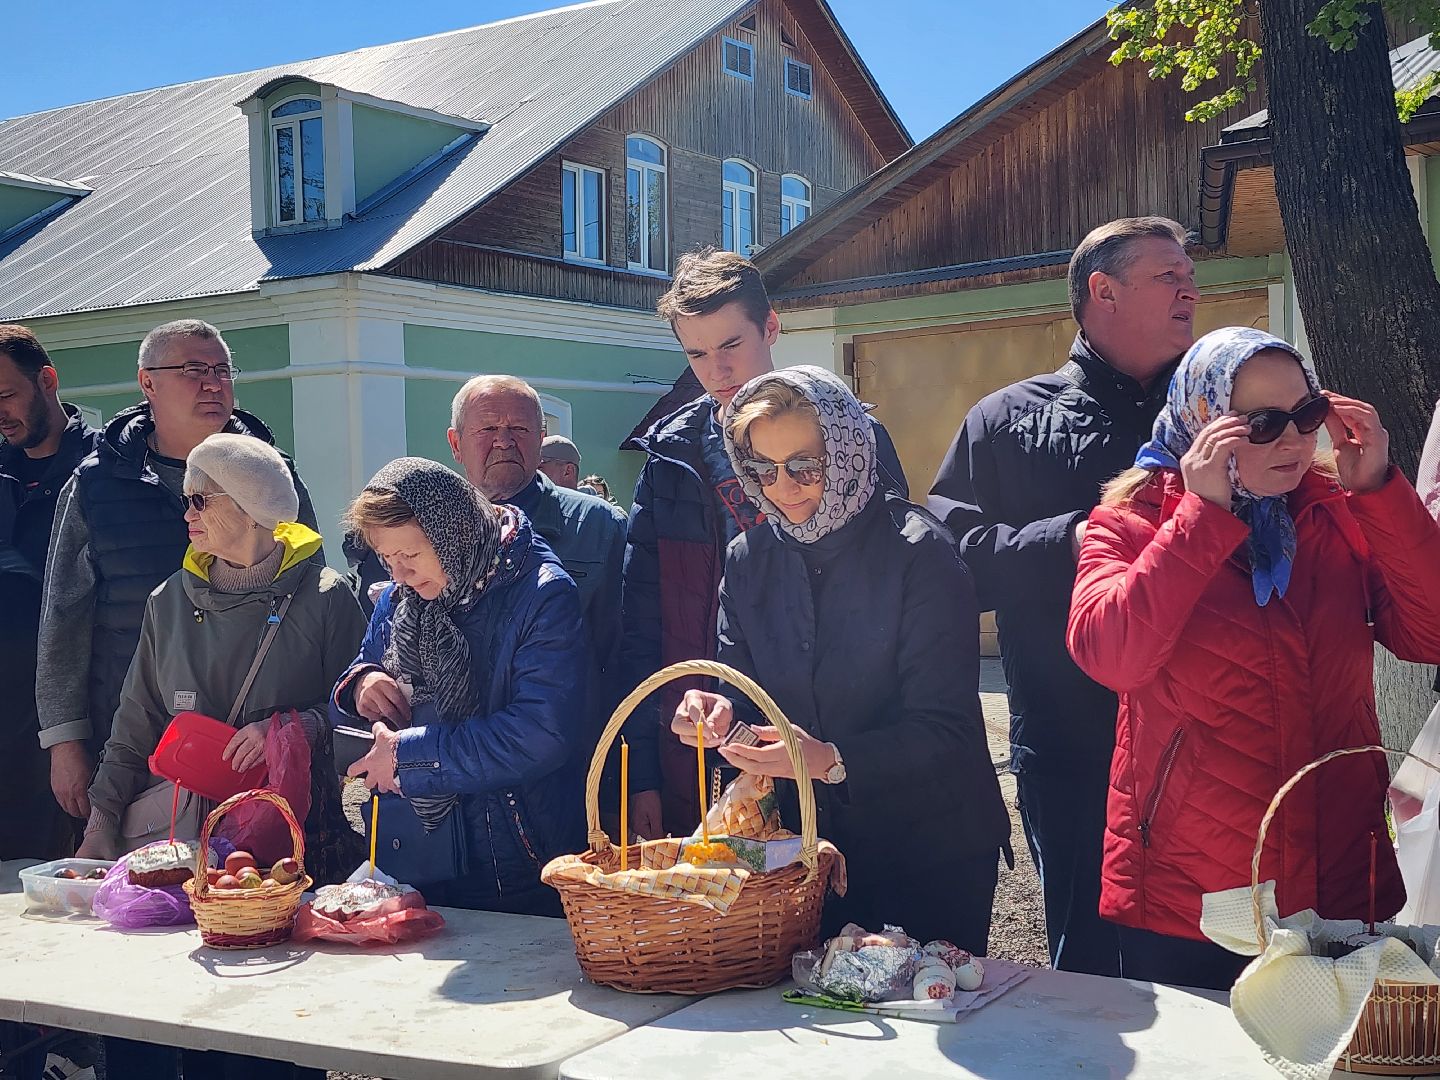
(1018,930)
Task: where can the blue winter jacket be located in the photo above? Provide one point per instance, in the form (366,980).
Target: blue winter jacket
(516,764)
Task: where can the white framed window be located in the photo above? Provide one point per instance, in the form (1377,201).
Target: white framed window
(737,219)
(795,200)
(738,58)
(797,78)
(582,199)
(297,147)
(647,232)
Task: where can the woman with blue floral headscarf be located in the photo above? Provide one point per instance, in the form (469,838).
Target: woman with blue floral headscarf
(1231,588)
(853,611)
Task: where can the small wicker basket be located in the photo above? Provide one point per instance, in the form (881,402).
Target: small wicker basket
(650,944)
(1399,1029)
(246,918)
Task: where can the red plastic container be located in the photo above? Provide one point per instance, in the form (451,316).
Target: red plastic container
(189,754)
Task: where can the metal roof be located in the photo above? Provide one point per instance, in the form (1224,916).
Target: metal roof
(169,215)
(1409,64)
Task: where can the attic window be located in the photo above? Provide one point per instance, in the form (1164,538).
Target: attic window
(297,144)
(748,24)
(786,40)
(797,78)
(739,59)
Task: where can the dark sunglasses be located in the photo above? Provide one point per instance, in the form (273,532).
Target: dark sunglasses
(1267,425)
(803,469)
(200,498)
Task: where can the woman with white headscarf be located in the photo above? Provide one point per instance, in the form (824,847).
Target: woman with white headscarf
(853,611)
(1231,588)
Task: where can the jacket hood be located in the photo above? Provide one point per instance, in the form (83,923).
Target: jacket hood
(678,435)
(76,430)
(125,434)
(299,541)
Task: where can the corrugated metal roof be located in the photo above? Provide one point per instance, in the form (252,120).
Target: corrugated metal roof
(169,216)
(1409,64)
(49,183)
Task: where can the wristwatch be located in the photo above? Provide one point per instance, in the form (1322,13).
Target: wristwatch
(836,773)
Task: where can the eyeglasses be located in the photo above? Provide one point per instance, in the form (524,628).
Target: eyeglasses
(1267,425)
(803,469)
(198,371)
(200,498)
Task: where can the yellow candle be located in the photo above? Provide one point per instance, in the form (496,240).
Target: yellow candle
(624,804)
(700,766)
(374,829)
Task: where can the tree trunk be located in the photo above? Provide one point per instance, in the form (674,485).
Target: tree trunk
(1363,274)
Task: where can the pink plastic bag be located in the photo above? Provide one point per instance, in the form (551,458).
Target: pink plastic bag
(131,907)
(258,827)
(409,923)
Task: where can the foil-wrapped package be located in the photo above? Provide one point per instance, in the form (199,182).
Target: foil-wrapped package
(857,967)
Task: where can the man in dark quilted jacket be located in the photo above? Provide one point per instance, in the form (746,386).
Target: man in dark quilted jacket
(1016,488)
(688,507)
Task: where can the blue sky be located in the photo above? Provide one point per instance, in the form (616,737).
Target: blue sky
(931,57)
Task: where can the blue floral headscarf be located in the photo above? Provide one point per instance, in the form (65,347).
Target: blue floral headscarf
(1199,392)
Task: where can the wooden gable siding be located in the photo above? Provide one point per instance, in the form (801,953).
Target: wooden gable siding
(1097,143)
(514,243)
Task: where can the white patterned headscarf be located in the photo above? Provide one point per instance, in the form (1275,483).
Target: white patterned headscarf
(849,439)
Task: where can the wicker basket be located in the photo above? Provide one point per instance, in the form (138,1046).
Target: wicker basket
(651,944)
(1399,1029)
(246,918)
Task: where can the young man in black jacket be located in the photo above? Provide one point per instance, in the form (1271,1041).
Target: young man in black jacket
(1015,489)
(41,442)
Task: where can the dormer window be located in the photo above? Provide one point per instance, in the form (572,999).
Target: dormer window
(297,142)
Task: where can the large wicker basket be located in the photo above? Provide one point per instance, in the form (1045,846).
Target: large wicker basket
(246,918)
(649,944)
(1399,1029)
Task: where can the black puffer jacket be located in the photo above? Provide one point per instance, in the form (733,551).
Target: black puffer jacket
(869,638)
(138,538)
(1027,465)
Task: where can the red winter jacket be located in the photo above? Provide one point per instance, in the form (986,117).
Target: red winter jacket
(1222,701)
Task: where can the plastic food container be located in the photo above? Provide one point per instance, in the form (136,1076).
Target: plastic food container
(44,892)
(189,754)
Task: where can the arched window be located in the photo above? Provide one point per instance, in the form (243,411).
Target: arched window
(737,219)
(794,201)
(646,231)
(298,144)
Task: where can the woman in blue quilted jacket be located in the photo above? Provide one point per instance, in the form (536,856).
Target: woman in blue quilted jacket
(472,675)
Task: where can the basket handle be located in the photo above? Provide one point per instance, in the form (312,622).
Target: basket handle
(600,842)
(297,837)
(1274,808)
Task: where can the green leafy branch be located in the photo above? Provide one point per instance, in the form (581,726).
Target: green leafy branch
(1198,39)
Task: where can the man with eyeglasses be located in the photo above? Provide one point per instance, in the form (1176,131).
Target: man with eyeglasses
(119,532)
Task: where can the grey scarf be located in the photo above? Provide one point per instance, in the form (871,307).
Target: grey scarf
(427,649)
(849,451)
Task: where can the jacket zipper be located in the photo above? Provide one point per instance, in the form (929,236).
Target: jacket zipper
(1167,763)
(494,862)
(520,828)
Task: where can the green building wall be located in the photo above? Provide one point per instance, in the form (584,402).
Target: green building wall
(600,419)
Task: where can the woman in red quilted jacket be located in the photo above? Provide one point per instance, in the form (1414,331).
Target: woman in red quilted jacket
(1230,588)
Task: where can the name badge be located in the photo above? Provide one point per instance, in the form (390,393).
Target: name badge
(184,700)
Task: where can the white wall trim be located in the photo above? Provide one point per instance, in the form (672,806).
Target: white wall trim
(297,372)
(561,410)
(421,303)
